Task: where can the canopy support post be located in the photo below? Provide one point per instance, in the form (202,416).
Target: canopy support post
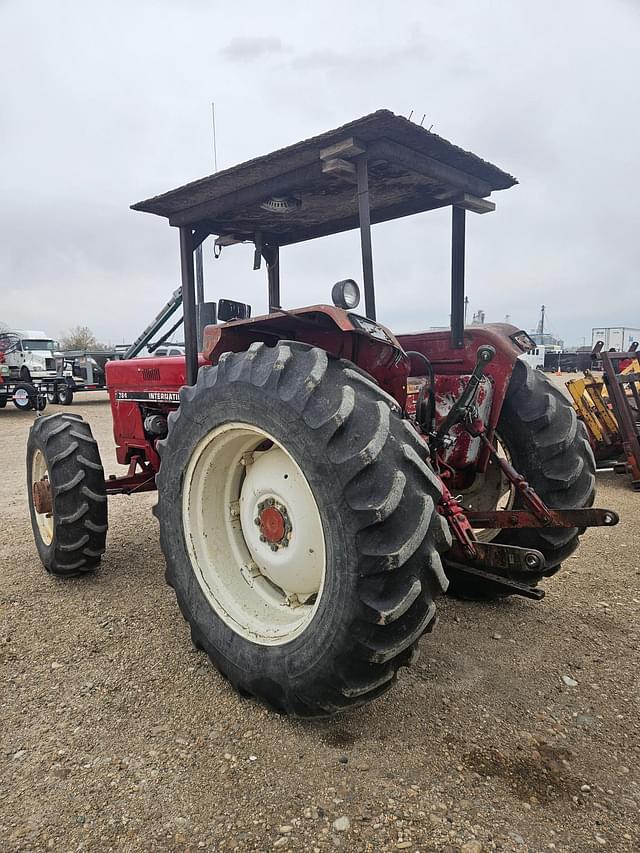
(271,254)
(364,213)
(189,304)
(199,275)
(457,276)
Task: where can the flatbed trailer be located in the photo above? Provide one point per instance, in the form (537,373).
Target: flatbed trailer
(70,380)
(25,396)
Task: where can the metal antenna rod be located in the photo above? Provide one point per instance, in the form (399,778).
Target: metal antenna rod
(199,264)
(215,148)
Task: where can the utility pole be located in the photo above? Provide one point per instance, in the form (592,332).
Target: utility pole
(466,308)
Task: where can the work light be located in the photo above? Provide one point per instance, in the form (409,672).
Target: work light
(345,294)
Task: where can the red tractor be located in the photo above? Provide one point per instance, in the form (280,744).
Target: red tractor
(321,480)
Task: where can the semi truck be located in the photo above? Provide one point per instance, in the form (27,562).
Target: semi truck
(618,338)
(29,354)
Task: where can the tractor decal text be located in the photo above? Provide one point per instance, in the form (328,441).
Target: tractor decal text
(149,396)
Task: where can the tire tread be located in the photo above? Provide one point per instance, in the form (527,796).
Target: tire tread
(79,497)
(389,491)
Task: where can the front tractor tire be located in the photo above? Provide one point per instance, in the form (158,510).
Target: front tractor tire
(548,445)
(298,523)
(67,496)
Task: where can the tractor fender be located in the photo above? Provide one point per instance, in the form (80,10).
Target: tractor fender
(370,346)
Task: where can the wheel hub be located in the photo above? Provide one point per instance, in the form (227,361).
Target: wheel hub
(280,523)
(42,500)
(254,533)
(274,523)
(41,496)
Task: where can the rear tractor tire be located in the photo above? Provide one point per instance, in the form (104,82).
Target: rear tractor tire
(67,496)
(298,523)
(548,445)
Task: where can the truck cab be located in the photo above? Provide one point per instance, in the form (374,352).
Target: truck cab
(29,353)
(534,357)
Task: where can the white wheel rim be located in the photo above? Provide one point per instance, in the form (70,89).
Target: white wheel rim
(39,471)
(21,397)
(490,491)
(267,588)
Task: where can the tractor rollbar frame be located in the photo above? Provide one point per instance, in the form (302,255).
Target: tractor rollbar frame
(271,254)
(364,217)
(439,175)
(190,240)
(457,276)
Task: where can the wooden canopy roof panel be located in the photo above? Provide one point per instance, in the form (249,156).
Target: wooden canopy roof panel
(410,170)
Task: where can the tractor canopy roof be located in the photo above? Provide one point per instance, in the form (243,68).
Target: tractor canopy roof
(308,189)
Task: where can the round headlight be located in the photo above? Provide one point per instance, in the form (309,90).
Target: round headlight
(345,294)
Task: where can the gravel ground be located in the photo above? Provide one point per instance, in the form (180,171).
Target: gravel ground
(116,735)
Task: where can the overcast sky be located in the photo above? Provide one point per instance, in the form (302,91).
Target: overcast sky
(107,103)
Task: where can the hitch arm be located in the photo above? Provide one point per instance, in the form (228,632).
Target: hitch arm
(539,514)
(529,495)
(511,518)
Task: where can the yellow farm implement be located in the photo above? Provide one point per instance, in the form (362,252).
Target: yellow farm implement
(609,406)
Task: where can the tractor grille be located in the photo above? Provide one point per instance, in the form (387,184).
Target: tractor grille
(151,374)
